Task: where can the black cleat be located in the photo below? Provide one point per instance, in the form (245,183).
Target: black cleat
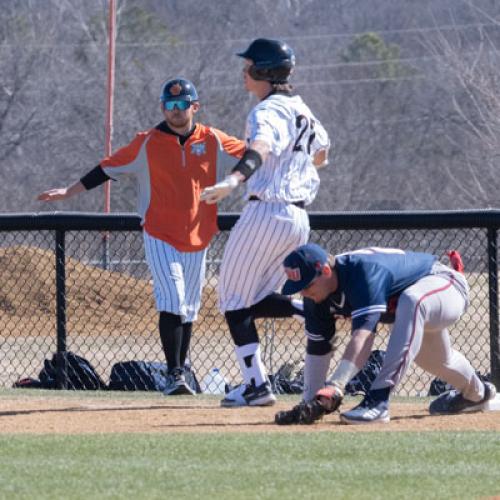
(452,402)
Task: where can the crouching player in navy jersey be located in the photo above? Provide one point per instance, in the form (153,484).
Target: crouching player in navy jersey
(419,294)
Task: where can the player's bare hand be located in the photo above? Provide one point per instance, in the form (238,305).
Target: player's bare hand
(320,159)
(219,191)
(330,397)
(53,194)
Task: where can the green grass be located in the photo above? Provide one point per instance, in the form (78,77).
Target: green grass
(249,465)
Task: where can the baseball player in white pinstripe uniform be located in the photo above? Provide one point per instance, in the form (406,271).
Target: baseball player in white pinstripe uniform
(286,144)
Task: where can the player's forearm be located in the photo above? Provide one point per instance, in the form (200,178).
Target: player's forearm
(359,347)
(238,176)
(355,356)
(251,161)
(261,147)
(75,189)
(92,179)
(61,193)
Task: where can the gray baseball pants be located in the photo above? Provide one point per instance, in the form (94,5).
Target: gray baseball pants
(420,333)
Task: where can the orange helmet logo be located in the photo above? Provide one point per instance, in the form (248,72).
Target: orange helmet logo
(175,89)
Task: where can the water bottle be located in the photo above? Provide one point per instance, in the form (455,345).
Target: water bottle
(213,382)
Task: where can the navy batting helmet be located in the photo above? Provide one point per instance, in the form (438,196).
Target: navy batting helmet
(178,89)
(273,60)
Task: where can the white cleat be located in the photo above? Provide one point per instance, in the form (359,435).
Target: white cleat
(249,395)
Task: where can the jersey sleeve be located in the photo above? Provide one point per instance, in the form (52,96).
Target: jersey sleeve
(321,139)
(229,151)
(368,294)
(269,126)
(231,145)
(126,160)
(319,321)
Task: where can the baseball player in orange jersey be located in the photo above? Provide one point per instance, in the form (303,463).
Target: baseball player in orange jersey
(286,144)
(172,163)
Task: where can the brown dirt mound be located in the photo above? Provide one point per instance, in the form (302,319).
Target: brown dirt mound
(29,291)
(97,301)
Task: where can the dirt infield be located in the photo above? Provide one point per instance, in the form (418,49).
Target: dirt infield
(38,414)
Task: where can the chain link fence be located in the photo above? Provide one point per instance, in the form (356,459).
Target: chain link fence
(79,283)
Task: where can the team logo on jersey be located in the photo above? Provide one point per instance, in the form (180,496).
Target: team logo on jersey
(175,89)
(293,274)
(198,149)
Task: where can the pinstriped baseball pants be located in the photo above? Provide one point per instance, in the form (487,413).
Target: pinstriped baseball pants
(252,265)
(177,277)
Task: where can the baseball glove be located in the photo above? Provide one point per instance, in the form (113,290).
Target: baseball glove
(326,400)
(302,414)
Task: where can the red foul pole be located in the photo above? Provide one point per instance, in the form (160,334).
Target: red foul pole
(110,95)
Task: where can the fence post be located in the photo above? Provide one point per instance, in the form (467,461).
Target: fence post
(61,377)
(493,299)
(105,250)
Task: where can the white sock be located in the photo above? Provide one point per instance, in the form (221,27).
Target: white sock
(251,365)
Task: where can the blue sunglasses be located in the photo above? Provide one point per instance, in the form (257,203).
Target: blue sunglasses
(181,105)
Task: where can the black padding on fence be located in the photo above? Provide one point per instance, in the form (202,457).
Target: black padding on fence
(85,221)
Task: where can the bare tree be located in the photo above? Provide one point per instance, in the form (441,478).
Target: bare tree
(414,125)
(21,56)
(469,74)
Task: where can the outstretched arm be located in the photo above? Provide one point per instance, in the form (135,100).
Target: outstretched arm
(61,193)
(92,179)
(355,356)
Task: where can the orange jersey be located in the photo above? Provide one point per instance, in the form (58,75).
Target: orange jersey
(170,180)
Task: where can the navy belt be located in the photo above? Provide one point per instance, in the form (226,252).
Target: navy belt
(300,204)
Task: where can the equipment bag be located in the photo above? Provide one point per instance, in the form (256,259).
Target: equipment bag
(289,379)
(145,376)
(361,382)
(80,374)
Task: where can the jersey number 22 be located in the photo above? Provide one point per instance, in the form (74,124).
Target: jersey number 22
(306,134)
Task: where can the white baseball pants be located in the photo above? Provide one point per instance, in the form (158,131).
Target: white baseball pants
(177,277)
(252,265)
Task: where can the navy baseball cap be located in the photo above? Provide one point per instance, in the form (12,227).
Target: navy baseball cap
(178,89)
(302,266)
